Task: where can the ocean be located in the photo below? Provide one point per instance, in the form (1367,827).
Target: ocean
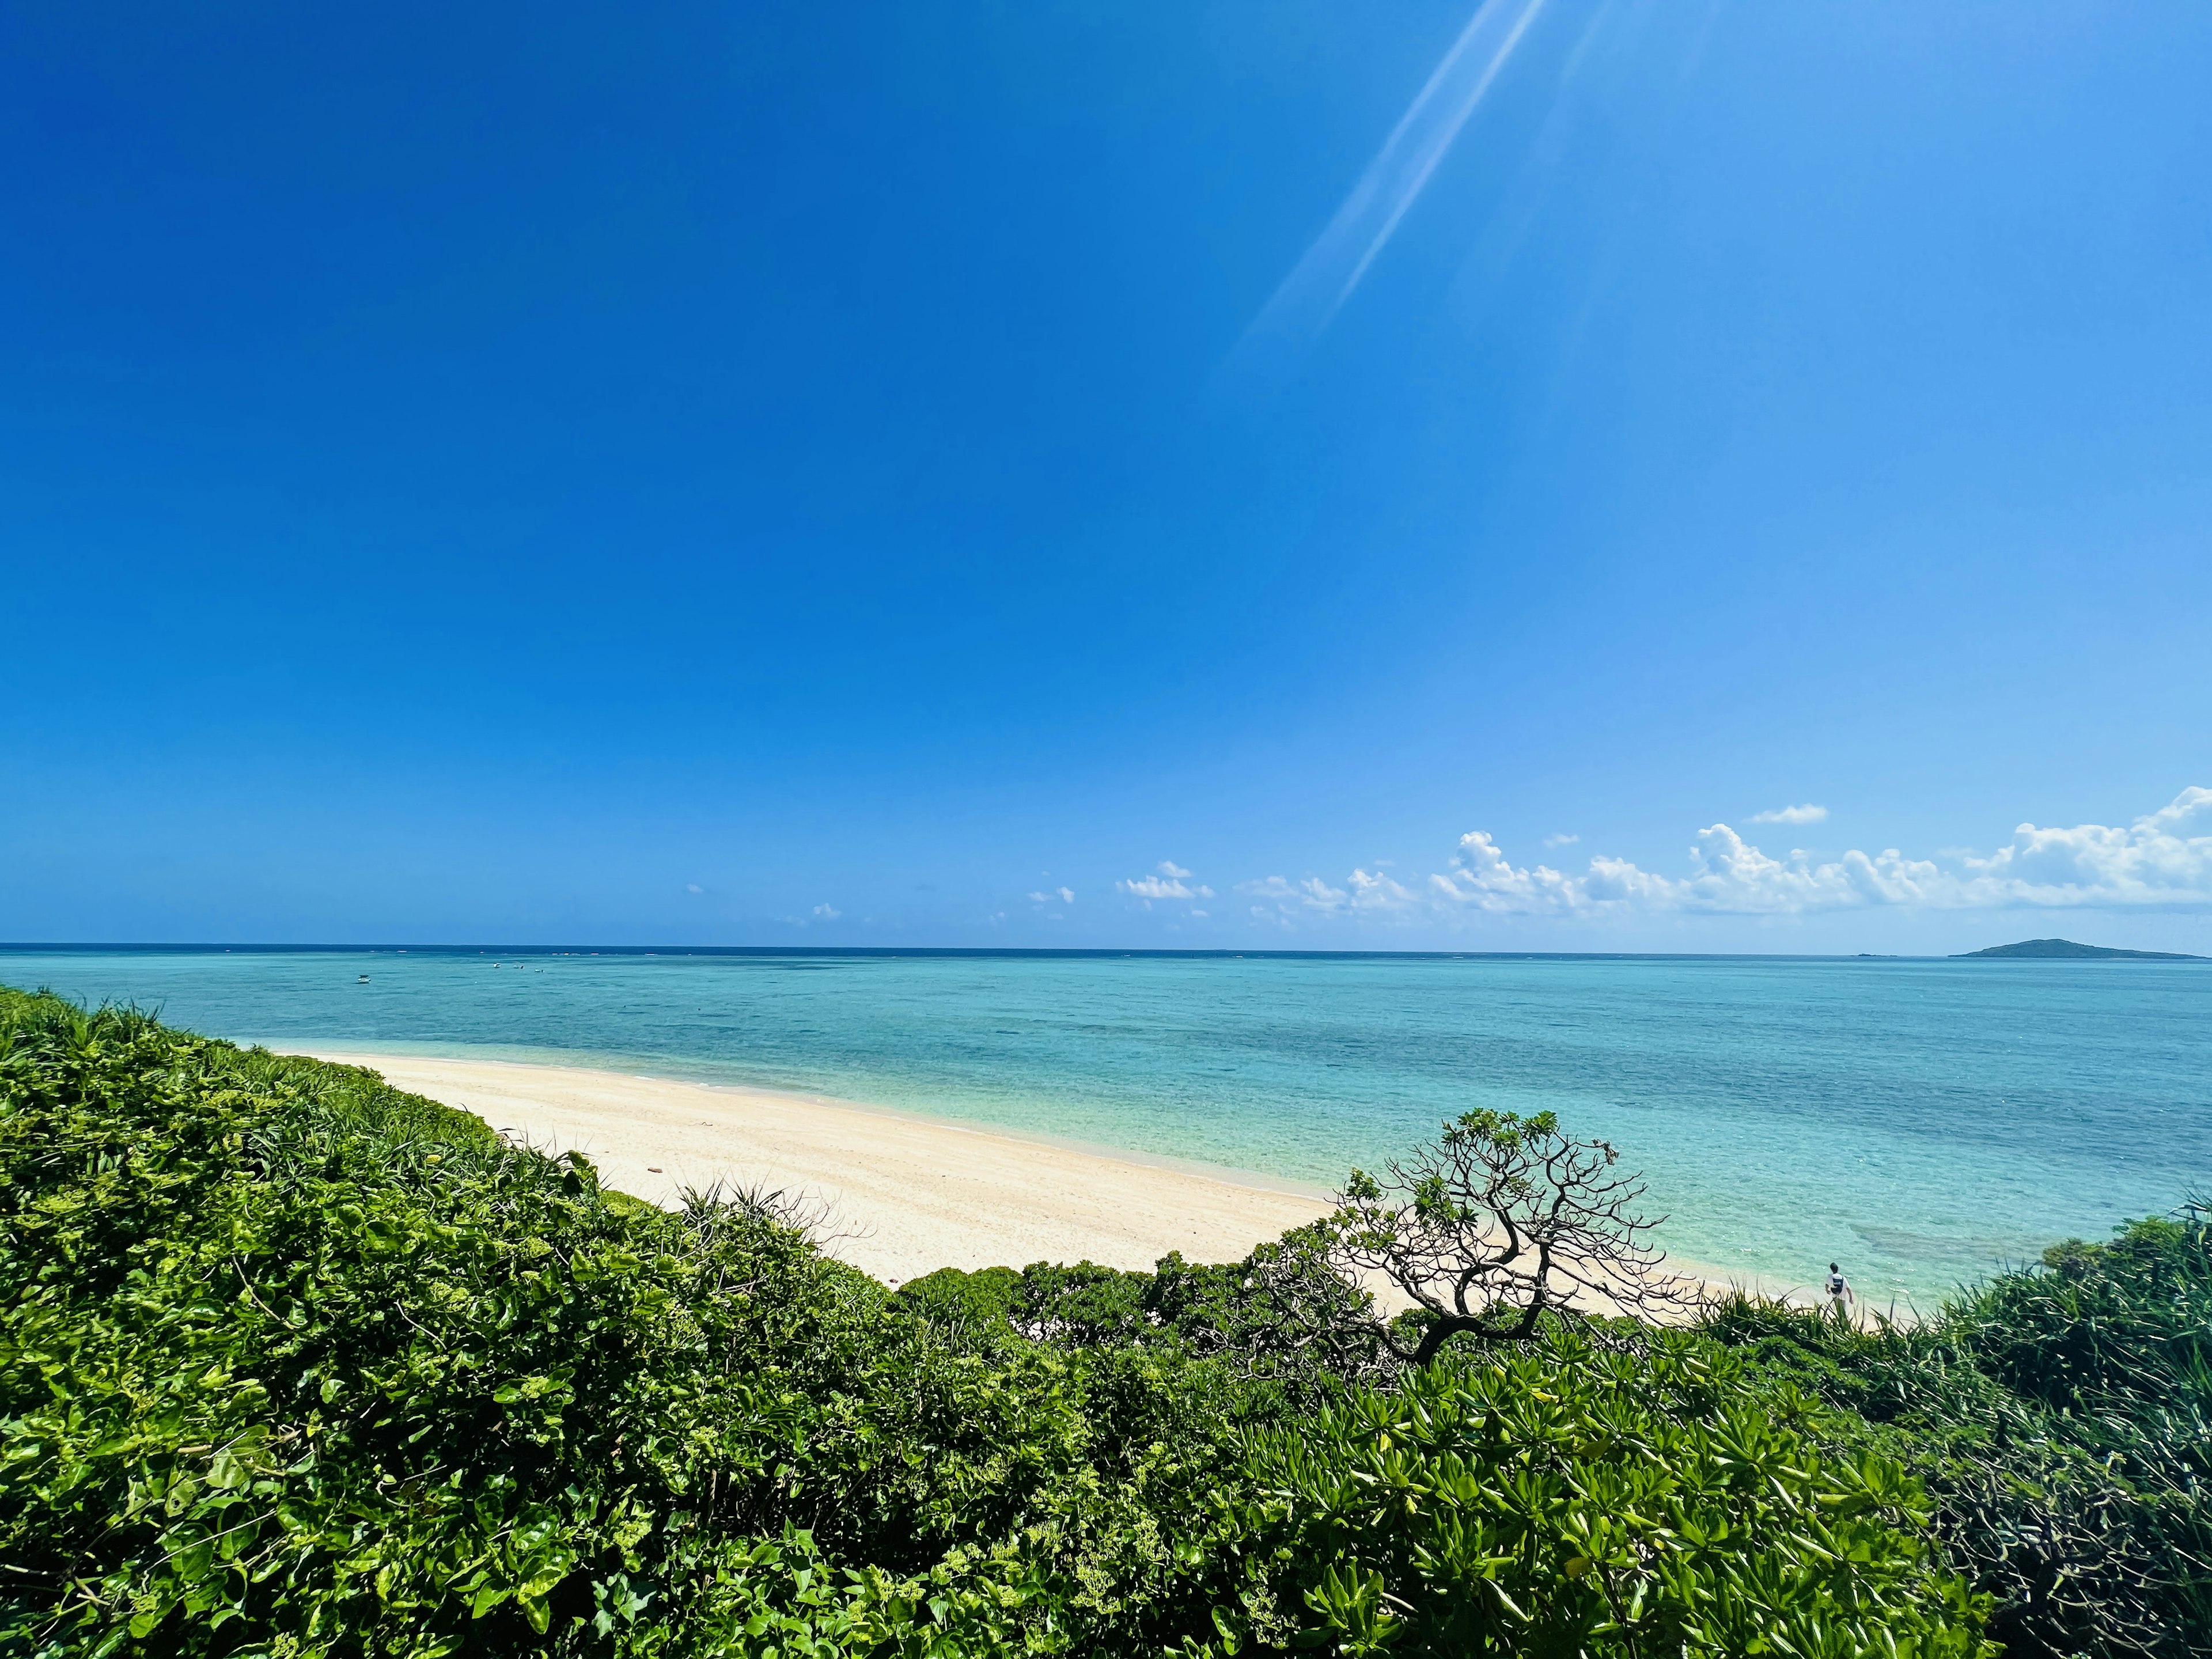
(1923,1121)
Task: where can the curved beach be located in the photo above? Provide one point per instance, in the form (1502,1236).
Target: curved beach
(895,1195)
(898,1195)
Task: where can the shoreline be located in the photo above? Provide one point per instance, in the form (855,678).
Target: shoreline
(614,1066)
(894,1193)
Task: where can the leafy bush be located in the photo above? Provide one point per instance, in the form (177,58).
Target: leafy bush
(2062,1419)
(1577,1500)
(291,1363)
(286,1358)
(978,1302)
(1284,1313)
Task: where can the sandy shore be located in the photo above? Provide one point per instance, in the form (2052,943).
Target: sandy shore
(895,1195)
(898,1196)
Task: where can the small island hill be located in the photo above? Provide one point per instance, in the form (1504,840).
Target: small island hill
(2067,949)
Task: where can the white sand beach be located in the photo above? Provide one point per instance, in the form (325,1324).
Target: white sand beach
(899,1195)
(895,1195)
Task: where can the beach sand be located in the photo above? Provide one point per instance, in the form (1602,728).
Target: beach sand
(898,1195)
(895,1195)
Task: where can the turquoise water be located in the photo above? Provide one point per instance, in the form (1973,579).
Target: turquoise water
(1920,1121)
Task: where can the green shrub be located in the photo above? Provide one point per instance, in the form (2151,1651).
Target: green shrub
(288,1358)
(2061,1417)
(1573,1500)
(1083,1306)
(291,1363)
(1282,1313)
(981,1301)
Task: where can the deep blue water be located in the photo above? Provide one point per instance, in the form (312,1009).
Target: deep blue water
(1921,1121)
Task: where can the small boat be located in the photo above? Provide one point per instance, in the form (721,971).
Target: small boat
(363,979)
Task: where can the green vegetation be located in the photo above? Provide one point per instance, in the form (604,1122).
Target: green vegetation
(2062,1420)
(1502,1221)
(2068,949)
(292,1363)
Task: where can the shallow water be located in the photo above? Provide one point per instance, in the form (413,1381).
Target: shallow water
(1920,1121)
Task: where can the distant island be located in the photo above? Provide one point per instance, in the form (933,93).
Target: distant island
(2067,947)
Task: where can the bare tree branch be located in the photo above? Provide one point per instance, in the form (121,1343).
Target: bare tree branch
(1502,1221)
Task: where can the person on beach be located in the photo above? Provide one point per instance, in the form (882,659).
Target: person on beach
(1839,1292)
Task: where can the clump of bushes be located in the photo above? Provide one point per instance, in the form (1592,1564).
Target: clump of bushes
(291,1363)
(2061,1418)
(1283,1313)
(1577,1499)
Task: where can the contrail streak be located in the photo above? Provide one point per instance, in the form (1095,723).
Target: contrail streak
(1324,279)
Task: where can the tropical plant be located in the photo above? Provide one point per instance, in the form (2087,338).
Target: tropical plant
(1501,1221)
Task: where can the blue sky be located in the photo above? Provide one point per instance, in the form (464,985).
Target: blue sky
(780,474)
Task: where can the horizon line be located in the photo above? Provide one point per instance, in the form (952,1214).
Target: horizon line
(267,948)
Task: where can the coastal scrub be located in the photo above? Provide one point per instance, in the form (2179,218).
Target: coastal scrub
(291,1363)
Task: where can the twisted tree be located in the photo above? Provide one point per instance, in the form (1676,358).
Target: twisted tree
(1505,1218)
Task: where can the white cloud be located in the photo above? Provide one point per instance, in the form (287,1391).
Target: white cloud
(1149,888)
(2164,858)
(1364,893)
(1169,868)
(1066,896)
(827,913)
(1561,841)
(1808,813)
(1313,893)
(1728,875)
